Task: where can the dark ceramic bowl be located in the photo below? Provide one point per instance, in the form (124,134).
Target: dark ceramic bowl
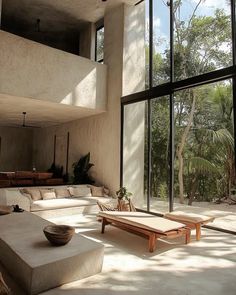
(58,235)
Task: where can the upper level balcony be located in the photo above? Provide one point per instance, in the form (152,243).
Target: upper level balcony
(40,76)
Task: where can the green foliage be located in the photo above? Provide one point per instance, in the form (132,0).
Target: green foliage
(80,170)
(123,194)
(208,152)
(202,166)
(163,191)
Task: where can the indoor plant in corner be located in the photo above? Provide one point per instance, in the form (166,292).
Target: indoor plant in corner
(80,169)
(123,196)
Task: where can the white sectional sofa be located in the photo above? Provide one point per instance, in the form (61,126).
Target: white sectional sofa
(82,198)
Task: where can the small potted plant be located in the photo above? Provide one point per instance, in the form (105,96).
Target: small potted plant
(123,199)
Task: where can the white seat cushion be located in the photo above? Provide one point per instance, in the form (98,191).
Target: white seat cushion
(188,217)
(60,203)
(143,220)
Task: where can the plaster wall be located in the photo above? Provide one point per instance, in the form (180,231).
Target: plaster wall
(44,73)
(0,13)
(134,114)
(16,147)
(87,41)
(100,134)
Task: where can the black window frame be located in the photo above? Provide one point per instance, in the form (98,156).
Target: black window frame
(169,89)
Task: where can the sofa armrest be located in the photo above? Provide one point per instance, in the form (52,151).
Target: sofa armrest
(11,196)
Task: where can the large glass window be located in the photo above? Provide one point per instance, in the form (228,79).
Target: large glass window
(204,140)
(161,42)
(188,133)
(160,120)
(99,50)
(202,37)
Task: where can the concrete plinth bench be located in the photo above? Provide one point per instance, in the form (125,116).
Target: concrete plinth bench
(35,264)
(192,220)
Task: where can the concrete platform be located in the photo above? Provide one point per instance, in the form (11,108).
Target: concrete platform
(35,264)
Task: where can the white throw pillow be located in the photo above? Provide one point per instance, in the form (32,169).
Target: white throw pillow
(48,194)
(80,191)
(99,191)
(62,193)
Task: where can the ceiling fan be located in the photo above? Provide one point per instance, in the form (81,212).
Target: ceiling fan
(24,124)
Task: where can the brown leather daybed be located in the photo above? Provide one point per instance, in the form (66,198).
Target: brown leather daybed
(146,225)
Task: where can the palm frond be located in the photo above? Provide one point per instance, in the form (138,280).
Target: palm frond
(202,166)
(222,136)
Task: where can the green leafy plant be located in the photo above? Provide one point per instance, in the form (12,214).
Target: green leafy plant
(123,194)
(80,170)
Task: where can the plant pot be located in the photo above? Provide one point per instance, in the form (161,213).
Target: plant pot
(123,205)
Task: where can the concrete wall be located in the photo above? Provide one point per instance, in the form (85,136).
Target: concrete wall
(100,134)
(44,73)
(87,41)
(134,114)
(0,13)
(16,149)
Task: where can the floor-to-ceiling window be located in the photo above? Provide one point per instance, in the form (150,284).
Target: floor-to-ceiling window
(186,115)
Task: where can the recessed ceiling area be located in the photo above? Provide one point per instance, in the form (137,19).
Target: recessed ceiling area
(55,15)
(55,23)
(38,113)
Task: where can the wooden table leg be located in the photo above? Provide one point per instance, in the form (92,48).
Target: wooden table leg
(104,223)
(188,236)
(198,231)
(152,242)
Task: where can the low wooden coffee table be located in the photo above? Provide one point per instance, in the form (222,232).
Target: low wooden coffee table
(145,225)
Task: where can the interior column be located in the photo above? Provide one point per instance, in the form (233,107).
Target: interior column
(134,115)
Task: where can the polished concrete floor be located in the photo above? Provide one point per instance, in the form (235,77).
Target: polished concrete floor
(200,268)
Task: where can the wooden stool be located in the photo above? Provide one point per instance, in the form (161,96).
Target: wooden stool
(193,221)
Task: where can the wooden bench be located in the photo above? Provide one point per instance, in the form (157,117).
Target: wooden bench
(145,225)
(193,221)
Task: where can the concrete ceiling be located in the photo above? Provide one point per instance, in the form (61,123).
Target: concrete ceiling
(55,15)
(39,113)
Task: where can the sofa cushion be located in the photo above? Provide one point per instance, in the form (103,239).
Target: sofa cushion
(61,203)
(64,203)
(80,191)
(62,193)
(47,194)
(99,191)
(34,193)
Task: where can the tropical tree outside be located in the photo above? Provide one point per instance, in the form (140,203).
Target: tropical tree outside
(204,145)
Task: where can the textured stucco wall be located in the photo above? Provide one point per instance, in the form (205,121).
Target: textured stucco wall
(100,134)
(87,41)
(134,114)
(16,149)
(0,12)
(44,73)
